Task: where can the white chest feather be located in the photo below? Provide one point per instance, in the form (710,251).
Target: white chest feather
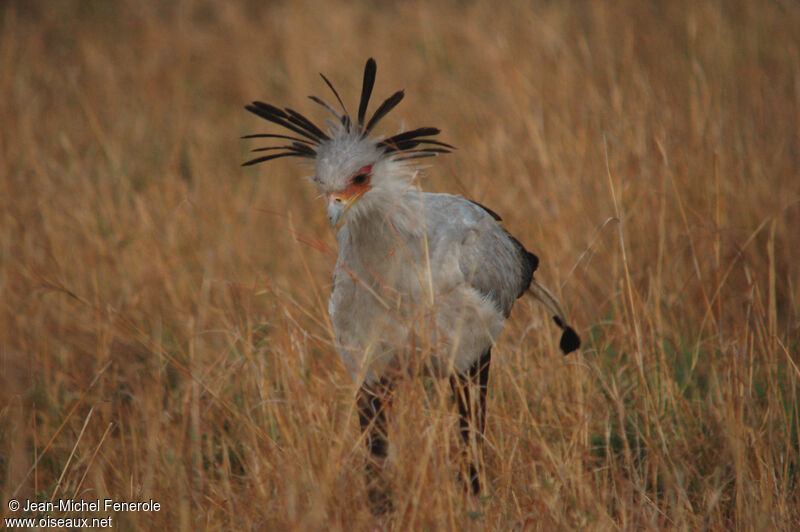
(400,302)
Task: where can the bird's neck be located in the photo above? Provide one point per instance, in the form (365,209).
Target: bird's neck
(378,231)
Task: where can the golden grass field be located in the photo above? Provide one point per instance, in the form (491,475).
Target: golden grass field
(163,311)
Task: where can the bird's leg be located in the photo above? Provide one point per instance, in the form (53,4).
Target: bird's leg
(469,390)
(373,401)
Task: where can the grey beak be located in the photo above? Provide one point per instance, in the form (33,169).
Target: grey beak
(335,210)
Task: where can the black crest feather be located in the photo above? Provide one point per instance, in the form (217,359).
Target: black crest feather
(287,120)
(345,114)
(307,136)
(390,103)
(326,105)
(275,136)
(366,89)
(408,140)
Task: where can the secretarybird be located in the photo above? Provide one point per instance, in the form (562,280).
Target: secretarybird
(423,282)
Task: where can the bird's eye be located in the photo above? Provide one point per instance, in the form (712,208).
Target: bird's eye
(362,176)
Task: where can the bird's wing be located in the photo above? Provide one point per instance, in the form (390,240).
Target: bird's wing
(490,260)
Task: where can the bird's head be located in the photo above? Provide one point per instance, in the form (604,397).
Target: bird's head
(354,171)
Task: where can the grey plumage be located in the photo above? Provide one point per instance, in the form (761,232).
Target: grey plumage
(422,281)
(434,270)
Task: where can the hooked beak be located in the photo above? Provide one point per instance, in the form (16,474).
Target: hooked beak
(338,205)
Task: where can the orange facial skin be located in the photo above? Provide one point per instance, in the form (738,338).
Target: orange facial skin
(358,185)
(353,190)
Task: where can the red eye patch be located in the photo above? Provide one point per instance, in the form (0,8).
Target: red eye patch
(359,183)
(362,176)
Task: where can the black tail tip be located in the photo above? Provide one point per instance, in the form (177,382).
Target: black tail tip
(570,341)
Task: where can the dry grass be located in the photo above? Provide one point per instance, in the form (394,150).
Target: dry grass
(163,329)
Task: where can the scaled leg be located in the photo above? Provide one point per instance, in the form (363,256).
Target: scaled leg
(373,401)
(469,390)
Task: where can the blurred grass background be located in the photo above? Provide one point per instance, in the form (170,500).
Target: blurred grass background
(163,312)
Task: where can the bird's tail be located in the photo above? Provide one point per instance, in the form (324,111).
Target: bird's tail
(570,341)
